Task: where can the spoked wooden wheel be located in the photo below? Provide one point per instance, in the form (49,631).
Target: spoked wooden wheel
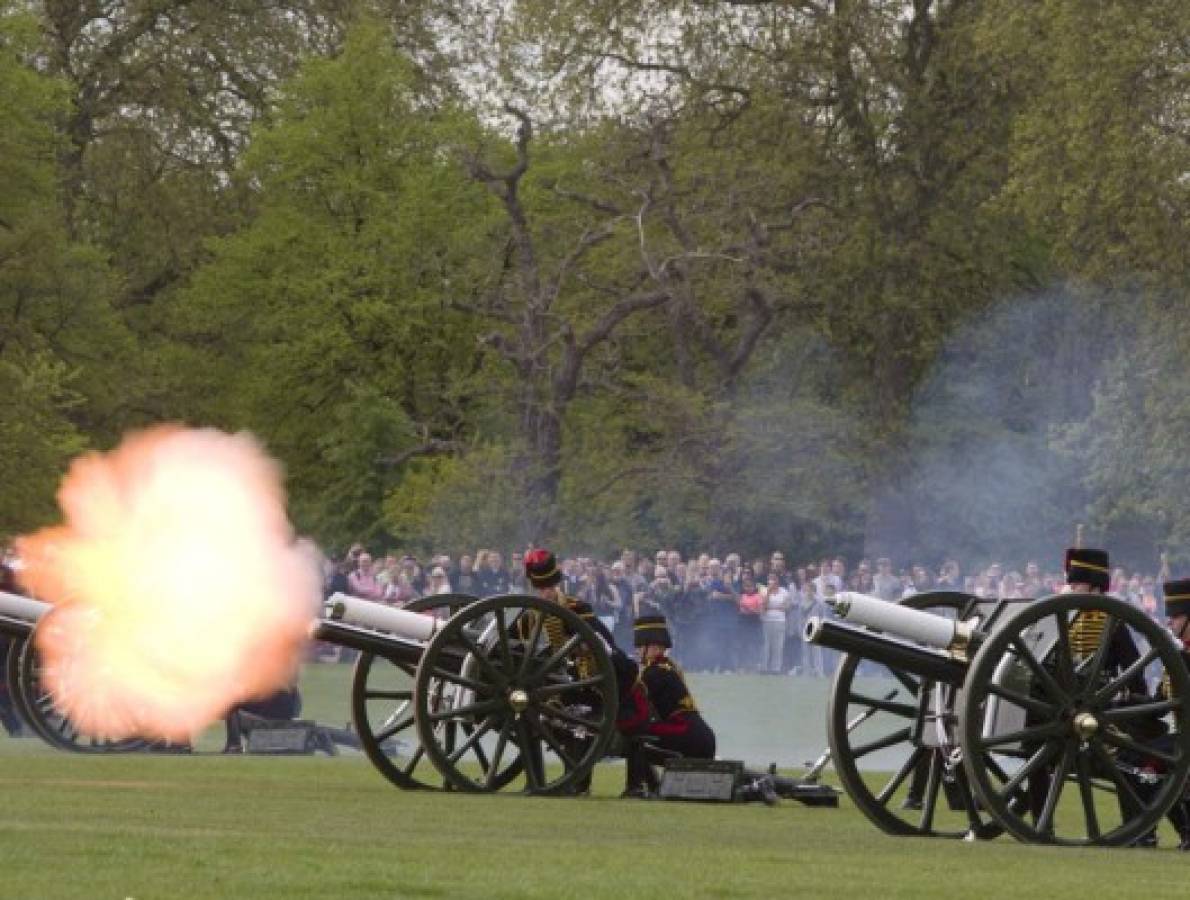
(890,720)
(12,675)
(521,680)
(382,709)
(1080,701)
(36,703)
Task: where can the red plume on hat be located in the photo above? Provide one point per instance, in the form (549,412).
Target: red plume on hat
(541,568)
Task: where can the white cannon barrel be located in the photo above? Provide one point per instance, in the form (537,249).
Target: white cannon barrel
(892,618)
(370,614)
(14,606)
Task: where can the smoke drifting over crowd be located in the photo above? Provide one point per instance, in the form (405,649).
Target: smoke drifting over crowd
(990,468)
(177,585)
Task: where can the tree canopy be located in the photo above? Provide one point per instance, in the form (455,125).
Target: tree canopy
(825,275)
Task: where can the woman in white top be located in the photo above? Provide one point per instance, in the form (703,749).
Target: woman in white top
(776,604)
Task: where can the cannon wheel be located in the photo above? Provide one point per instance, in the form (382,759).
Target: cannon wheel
(1081,719)
(36,704)
(906,714)
(517,690)
(382,709)
(12,675)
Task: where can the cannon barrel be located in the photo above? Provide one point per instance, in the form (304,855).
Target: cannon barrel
(369,614)
(20,615)
(935,665)
(903,622)
(397,635)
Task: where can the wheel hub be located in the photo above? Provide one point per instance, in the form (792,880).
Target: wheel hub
(1085,725)
(518,700)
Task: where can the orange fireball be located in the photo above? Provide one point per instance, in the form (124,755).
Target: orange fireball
(177,584)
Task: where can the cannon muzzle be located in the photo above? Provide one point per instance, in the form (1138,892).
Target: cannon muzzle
(20,615)
(934,665)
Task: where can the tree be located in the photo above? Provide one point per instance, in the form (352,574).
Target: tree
(329,313)
(56,326)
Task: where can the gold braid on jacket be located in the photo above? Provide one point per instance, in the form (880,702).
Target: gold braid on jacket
(557,634)
(1086,631)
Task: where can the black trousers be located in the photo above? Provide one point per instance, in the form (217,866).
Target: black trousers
(697,742)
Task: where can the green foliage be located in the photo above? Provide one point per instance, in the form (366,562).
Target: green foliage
(37,440)
(343,277)
(459,503)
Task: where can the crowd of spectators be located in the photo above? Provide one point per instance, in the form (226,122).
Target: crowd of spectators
(726,615)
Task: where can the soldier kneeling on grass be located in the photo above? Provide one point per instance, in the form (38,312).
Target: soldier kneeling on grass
(659,719)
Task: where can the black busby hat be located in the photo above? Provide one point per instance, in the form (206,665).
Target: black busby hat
(651,630)
(1177,597)
(541,568)
(1087,566)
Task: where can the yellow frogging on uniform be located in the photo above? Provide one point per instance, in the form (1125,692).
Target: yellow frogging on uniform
(1086,632)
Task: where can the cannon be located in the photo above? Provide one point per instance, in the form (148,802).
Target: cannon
(1061,720)
(19,617)
(455,693)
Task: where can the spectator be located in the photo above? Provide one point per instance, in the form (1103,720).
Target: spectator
(339,583)
(363,582)
(516,573)
(400,591)
(414,574)
(465,579)
(493,577)
(776,604)
(749,635)
(793,627)
(863,582)
(724,614)
(950,577)
(777,567)
(597,592)
(813,662)
(439,584)
(624,619)
(888,586)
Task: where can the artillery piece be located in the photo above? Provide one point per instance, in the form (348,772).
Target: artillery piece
(19,618)
(476,695)
(1004,703)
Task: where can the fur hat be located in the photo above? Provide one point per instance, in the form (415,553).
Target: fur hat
(541,568)
(1177,597)
(1086,566)
(651,630)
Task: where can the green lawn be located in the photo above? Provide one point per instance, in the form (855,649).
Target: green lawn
(148,826)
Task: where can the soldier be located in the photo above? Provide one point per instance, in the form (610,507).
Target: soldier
(666,721)
(1177,613)
(1088,571)
(545,576)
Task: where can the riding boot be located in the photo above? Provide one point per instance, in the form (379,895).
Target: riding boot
(640,781)
(1179,818)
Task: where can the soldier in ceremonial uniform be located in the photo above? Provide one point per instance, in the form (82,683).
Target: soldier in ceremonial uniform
(542,572)
(1177,614)
(1088,572)
(544,575)
(665,721)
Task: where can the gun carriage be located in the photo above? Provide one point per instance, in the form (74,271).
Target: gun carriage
(1060,720)
(477,695)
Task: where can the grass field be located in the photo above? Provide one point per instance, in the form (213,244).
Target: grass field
(148,826)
